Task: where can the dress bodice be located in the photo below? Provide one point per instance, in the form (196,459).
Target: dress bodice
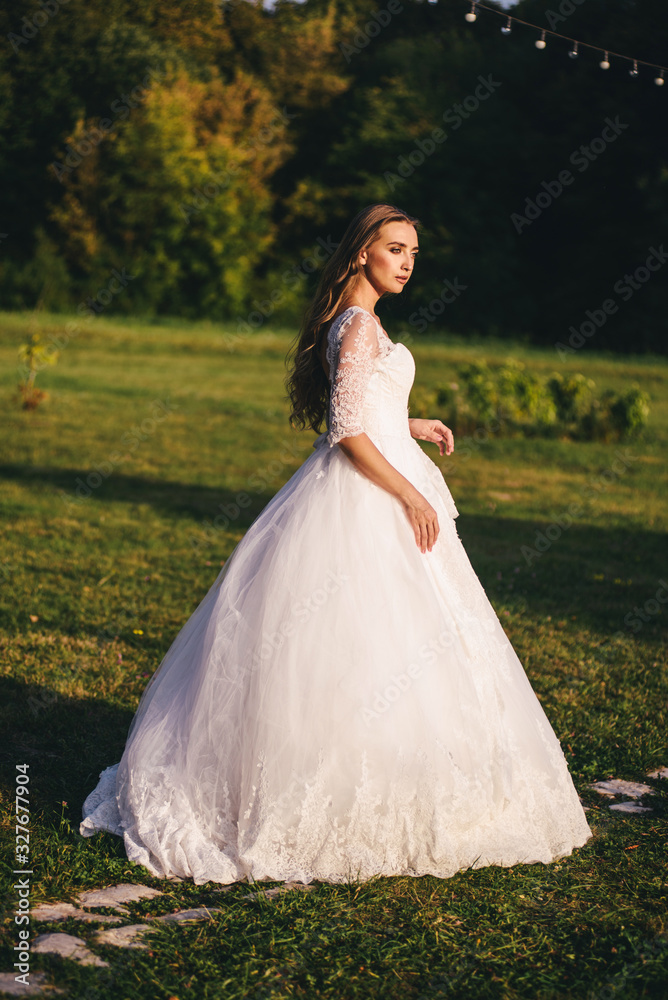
(370,377)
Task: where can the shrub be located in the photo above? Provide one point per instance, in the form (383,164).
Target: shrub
(34,355)
(509,400)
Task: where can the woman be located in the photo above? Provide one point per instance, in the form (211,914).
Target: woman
(343,702)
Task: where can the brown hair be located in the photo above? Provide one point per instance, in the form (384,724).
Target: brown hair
(306,383)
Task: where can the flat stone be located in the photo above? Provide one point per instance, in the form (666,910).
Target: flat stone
(113,895)
(630,807)
(286,887)
(617,786)
(67,946)
(661,773)
(37,981)
(182,916)
(124,937)
(61,911)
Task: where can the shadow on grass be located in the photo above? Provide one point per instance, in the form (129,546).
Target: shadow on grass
(197,501)
(66,741)
(607,578)
(599,574)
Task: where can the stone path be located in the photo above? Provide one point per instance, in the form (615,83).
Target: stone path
(71,947)
(634,790)
(120,935)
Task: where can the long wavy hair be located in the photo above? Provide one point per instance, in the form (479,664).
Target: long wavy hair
(308,387)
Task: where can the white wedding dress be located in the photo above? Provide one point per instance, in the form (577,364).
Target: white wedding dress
(340,704)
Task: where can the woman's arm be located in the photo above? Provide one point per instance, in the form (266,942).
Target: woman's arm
(366,457)
(351,368)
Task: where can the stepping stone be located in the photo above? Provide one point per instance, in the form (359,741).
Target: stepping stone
(630,807)
(182,916)
(661,773)
(124,937)
(113,895)
(67,946)
(272,893)
(617,786)
(37,981)
(61,911)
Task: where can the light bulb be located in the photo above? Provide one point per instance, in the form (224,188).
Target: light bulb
(604,64)
(506,29)
(634,71)
(574,51)
(540,42)
(658,80)
(471,16)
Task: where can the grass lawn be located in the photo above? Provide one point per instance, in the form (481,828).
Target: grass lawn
(109,493)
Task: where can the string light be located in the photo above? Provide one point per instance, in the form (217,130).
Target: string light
(541,43)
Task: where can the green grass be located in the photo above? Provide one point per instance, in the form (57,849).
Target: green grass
(94,591)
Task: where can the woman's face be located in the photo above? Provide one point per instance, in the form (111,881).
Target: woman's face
(389,261)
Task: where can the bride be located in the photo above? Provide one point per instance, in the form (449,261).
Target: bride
(343,702)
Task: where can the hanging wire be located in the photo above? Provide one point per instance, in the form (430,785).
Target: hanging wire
(540,43)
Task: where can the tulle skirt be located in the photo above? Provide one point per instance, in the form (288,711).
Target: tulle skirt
(340,705)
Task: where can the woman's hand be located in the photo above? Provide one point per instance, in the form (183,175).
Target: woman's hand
(367,459)
(423,519)
(433,430)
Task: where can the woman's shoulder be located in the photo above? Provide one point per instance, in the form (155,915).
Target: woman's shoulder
(348,314)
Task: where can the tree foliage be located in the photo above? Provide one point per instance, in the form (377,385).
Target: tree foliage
(208,147)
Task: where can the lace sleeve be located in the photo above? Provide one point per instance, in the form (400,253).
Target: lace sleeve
(351,351)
